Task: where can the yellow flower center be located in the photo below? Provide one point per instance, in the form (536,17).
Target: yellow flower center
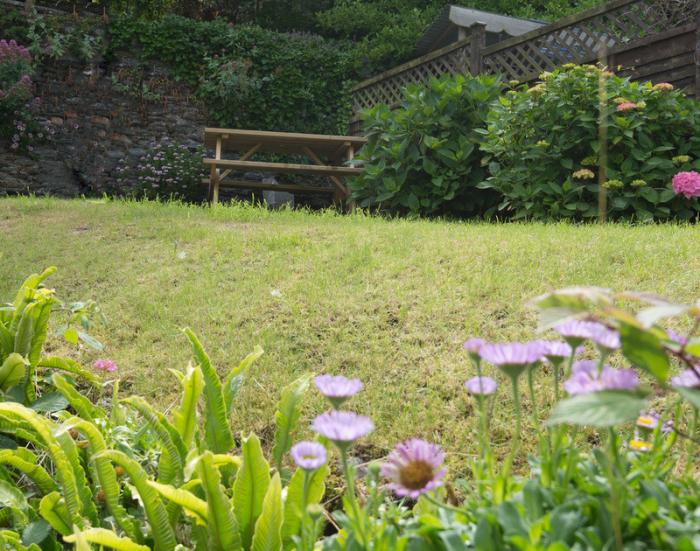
(416,475)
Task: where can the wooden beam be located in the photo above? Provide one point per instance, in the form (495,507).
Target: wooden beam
(337,181)
(215,174)
(478,43)
(291,168)
(291,188)
(248,154)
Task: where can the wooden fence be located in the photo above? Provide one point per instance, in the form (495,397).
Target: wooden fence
(657,40)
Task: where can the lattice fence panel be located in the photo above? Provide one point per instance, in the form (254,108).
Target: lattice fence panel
(580,41)
(389,91)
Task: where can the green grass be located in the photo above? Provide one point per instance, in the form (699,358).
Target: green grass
(389,301)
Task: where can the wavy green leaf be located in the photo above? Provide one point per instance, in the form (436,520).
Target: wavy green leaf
(30,468)
(250,488)
(105,474)
(185,417)
(106,538)
(223,529)
(287,417)
(185,499)
(217,429)
(268,528)
(83,407)
(156,513)
(69,366)
(52,508)
(234,379)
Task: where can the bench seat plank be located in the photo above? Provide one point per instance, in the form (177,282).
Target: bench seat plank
(291,168)
(252,184)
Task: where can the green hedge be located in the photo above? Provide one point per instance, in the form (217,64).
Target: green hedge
(249,77)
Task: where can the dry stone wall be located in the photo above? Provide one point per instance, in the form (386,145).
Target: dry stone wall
(98,114)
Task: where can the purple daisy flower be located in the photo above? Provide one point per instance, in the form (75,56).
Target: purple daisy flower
(337,388)
(650,420)
(105,365)
(308,455)
(414,467)
(607,338)
(556,350)
(512,358)
(688,378)
(473,345)
(481,386)
(342,427)
(586,379)
(577,331)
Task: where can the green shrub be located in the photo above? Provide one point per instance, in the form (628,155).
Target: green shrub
(424,157)
(249,77)
(544,147)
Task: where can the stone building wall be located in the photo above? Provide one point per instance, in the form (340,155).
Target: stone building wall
(99,114)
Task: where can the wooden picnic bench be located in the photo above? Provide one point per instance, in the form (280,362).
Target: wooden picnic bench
(328,155)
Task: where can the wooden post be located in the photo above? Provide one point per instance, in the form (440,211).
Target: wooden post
(215,174)
(478,43)
(697,57)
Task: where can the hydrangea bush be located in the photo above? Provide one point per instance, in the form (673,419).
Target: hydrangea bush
(19,127)
(424,157)
(125,475)
(168,171)
(544,147)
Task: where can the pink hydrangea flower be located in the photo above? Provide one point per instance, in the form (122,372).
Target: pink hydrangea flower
(105,365)
(626,106)
(687,184)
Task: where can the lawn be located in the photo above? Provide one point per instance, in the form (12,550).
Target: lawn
(388,301)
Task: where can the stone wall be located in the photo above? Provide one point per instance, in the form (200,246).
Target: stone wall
(99,114)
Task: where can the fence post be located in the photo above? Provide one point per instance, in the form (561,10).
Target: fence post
(478,43)
(697,57)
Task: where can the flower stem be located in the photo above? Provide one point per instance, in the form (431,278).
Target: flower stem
(531,387)
(304,504)
(515,445)
(348,472)
(614,489)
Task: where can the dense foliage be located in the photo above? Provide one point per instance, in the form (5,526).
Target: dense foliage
(545,147)
(116,472)
(249,77)
(424,156)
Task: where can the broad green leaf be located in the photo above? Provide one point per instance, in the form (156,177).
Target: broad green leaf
(12,371)
(644,349)
(287,417)
(11,496)
(649,316)
(91,341)
(606,408)
(217,429)
(49,403)
(223,529)
(250,488)
(35,532)
(268,528)
(293,501)
(106,538)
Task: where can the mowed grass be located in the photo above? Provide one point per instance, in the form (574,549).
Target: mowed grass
(388,301)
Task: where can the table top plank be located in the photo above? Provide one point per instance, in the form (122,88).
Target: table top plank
(280,142)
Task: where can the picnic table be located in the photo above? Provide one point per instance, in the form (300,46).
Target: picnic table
(328,156)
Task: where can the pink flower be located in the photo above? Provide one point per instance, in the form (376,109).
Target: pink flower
(414,467)
(687,183)
(105,365)
(626,106)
